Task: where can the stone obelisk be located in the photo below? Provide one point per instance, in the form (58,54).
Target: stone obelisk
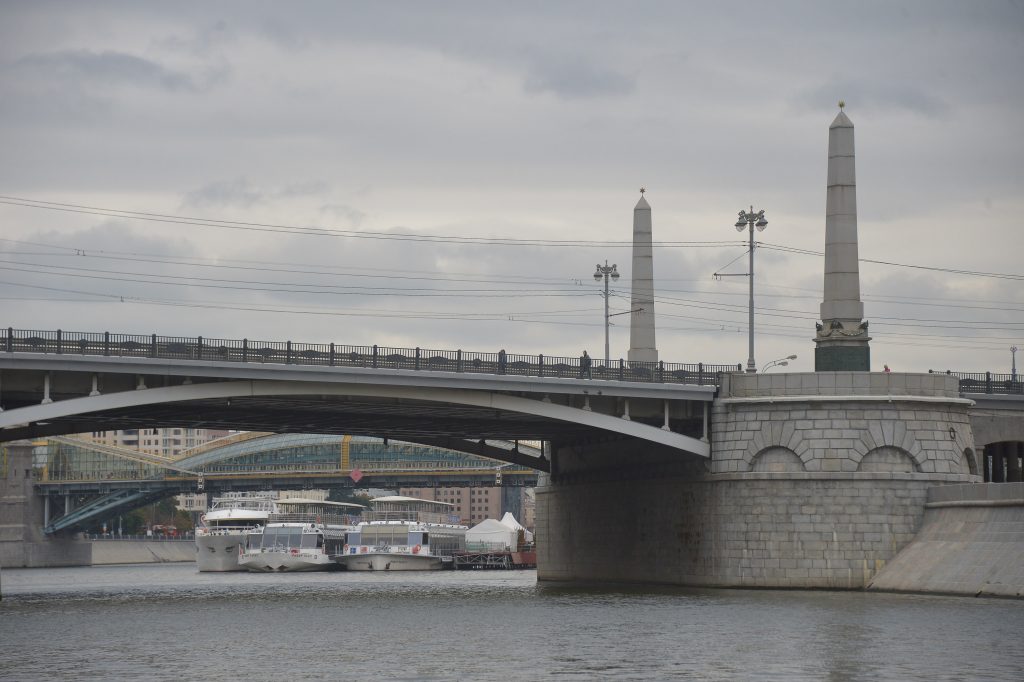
(842,338)
(641,323)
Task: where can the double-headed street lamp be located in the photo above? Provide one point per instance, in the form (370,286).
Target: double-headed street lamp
(751,220)
(781,362)
(605,271)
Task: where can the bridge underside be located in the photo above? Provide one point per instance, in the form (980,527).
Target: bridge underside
(39,404)
(401,419)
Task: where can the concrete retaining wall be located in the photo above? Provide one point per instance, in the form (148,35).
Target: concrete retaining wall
(971,542)
(742,530)
(141,552)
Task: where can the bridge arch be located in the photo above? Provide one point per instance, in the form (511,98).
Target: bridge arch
(227,390)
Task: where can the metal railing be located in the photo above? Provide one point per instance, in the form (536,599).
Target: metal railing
(62,342)
(987,382)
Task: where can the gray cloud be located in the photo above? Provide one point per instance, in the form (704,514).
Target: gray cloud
(108,68)
(574,76)
(240,192)
(354,217)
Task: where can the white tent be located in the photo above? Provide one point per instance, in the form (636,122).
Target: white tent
(511,522)
(492,535)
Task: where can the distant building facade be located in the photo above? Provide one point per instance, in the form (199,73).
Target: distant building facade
(169,442)
(476,503)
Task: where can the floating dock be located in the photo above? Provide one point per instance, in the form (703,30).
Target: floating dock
(494,560)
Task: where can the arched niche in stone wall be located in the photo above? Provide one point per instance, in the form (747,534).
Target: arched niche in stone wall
(888,459)
(777,460)
(968,463)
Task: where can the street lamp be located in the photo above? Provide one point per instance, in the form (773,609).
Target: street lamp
(751,220)
(1013,362)
(605,271)
(781,362)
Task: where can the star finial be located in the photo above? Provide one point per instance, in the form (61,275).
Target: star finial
(842,104)
(642,190)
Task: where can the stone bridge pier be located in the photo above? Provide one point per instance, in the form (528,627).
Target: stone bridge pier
(815,480)
(22,517)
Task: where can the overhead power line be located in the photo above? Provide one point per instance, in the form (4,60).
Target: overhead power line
(332,232)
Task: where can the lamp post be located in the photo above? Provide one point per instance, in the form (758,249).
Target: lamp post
(1013,363)
(781,362)
(605,271)
(751,220)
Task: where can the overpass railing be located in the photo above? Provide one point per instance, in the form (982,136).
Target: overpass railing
(337,355)
(987,382)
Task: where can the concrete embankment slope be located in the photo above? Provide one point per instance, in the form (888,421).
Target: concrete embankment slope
(971,542)
(141,552)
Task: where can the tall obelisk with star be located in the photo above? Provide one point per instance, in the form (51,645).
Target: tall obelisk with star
(841,343)
(642,347)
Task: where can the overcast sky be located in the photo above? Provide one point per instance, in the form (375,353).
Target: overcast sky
(530,126)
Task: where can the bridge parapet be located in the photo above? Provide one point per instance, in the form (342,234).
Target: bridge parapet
(152,346)
(839,384)
(987,382)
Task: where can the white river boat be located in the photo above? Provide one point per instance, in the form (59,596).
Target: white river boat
(404,534)
(305,535)
(223,531)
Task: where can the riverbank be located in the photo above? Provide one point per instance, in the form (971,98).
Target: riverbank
(111,552)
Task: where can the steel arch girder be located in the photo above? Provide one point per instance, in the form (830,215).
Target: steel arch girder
(245,389)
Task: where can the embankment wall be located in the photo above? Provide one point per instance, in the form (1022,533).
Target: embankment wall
(971,542)
(141,551)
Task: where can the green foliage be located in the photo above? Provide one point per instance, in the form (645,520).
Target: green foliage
(134,522)
(183,521)
(348,495)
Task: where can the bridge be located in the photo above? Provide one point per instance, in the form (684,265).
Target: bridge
(704,454)
(120,479)
(60,382)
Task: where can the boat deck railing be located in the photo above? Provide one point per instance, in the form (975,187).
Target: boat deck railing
(326,517)
(408,516)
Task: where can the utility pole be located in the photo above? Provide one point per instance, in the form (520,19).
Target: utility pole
(605,271)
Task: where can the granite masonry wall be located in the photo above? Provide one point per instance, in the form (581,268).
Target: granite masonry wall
(22,542)
(815,480)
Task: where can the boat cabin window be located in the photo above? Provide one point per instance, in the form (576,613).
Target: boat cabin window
(376,536)
(282,538)
(294,537)
(253,540)
(418,538)
(311,540)
(352,538)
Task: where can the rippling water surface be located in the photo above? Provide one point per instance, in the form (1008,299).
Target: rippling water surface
(168,622)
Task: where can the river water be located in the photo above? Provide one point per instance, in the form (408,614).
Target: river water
(168,622)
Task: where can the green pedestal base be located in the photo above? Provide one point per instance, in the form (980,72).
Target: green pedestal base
(842,359)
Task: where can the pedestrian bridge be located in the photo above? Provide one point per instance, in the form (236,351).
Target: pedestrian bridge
(59,382)
(66,470)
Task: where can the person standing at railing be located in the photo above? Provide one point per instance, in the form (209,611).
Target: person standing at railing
(502,361)
(585,363)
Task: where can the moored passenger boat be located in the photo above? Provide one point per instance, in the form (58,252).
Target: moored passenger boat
(224,527)
(305,535)
(404,534)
